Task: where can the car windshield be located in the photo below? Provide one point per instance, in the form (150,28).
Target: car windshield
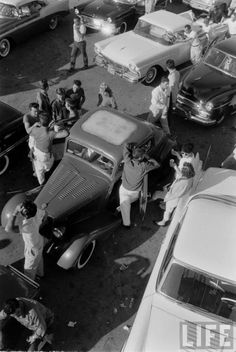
(203,291)
(8,11)
(155,33)
(91,156)
(221,61)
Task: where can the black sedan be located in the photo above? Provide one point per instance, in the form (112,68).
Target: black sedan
(208,92)
(12,133)
(113,16)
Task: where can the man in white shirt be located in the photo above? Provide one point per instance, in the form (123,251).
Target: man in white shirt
(79,45)
(30,219)
(196,48)
(232,24)
(174,78)
(160,104)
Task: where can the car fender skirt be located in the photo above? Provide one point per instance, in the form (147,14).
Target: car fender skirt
(70,255)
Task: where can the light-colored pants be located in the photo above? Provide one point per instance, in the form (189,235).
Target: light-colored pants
(162,117)
(195,54)
(33,262)
(170,206)
(126,199)
(43,162)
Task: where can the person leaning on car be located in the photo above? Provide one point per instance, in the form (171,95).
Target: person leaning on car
(196,47)
(136,165)
(160,104)
(31,314)
(29,218)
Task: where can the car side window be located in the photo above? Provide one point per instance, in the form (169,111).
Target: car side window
(169,253)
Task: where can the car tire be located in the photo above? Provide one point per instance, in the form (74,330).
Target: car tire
(53,23)
(4,163)
(85,255)
(151,75)
(123,27)
(5,47)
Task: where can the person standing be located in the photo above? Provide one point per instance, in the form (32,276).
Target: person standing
(149,6)
(31,120)
(232,24)
(103,86)
(31,314)
(72,112)
(179,188)
(77,95)
(160,104)
(136,165)
(174,79)
(43,156)
(196,47)
(59,111)
(79,44)
(43,99)
(30,218)
(187,155)
(108,100)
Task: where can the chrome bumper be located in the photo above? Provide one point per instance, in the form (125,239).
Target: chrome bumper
(192,112)
(117,70)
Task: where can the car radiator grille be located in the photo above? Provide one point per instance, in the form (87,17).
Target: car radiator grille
(117,67)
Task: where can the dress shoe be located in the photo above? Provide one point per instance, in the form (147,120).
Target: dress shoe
(159,223)
(85,67)
(127,227)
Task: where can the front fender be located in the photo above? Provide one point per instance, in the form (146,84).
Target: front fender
(68,258)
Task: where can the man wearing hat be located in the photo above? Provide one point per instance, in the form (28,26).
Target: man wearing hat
(136,165)
(58,106)
(79,45)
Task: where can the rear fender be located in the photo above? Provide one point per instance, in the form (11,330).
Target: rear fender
(68,258)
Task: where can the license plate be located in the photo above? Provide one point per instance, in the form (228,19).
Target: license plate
(111,70)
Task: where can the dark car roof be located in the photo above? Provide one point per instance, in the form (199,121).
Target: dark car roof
(119,128)
(7,114)
(228,46)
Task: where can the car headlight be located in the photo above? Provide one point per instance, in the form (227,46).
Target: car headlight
(58,232)
(133,68)
(108,29)
(209,106)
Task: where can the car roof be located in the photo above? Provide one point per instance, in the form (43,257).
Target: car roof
(207,238)
(107,130)
(16,3)
(168,20)
(228,46)
(7,114)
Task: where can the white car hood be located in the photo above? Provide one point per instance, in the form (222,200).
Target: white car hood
(132,48)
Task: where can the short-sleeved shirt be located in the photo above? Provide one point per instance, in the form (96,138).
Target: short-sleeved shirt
(31,120)
(43,138)
(29,228)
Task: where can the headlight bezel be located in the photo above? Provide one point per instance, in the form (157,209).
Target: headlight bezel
(59,231)
(209,106)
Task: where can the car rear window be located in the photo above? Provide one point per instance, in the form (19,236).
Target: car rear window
(108,126)
(214,295)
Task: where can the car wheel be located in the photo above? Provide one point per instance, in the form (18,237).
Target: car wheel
(123,27)
(4,163)
(5,47)
(85,255)
(151,75)
(53,23)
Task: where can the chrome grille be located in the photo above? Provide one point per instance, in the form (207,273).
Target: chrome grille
(117,67)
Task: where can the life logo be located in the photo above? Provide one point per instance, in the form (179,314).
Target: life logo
(204,336)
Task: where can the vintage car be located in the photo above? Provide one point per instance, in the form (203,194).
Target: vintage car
(12,133)
(208,91)
(113,16)
(141,54)
(207,5)
(20,19)
(13,283)
(82,194)
(189,302)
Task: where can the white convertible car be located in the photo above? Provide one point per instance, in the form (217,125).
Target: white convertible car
(190,300)
(142,53)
